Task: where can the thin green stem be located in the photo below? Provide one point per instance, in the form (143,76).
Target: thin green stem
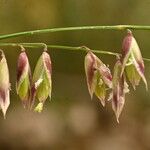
(146,59)
(42,31)
(71,48)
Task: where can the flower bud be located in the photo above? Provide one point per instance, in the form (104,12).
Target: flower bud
(98,76)
(119,89)
(132,61)
(42,84)
(23,84)
(4,84)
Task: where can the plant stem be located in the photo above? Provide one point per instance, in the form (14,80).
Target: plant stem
(71,48)
(42,31)
(37,45)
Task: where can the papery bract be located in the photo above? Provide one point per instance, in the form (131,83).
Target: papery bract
(4,84)
(90,71)
(119,89)
(23,84)
(132,60)
(42,83)
(98,76)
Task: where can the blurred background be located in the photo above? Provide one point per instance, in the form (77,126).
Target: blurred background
(71,121)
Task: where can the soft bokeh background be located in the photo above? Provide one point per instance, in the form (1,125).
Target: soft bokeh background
(71,121)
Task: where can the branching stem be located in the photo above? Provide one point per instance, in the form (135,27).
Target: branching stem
(42,31)
(71,48)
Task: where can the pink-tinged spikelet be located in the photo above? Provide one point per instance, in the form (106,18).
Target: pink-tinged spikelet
(119,89)
(132,60)
(42,83)
(98,76)
(4,84)
(23,84)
